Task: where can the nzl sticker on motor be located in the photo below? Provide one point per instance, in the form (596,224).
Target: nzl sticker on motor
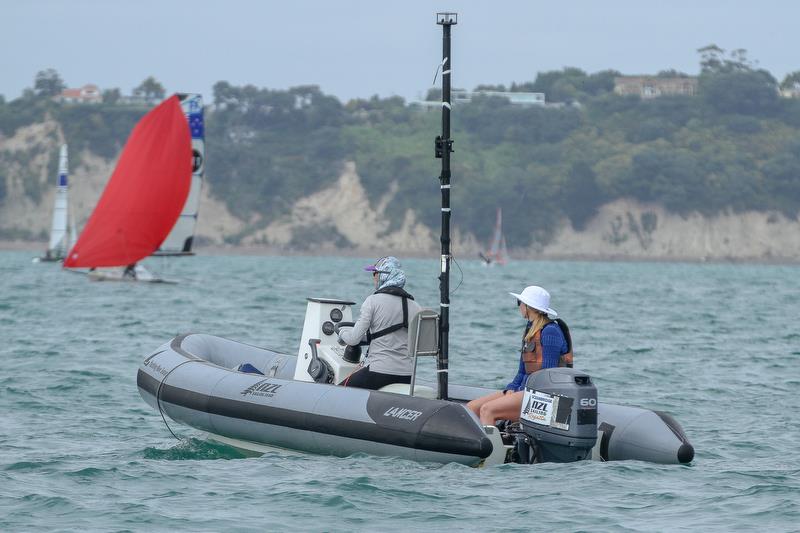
(537,407)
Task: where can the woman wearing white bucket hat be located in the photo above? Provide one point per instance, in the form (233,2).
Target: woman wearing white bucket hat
(545,344)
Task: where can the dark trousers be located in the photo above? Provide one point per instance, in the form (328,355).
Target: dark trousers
(364,379)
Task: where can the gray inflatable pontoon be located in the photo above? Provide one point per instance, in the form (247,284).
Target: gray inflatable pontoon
(278,411)
(194,380)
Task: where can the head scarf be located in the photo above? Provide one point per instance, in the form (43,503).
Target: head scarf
(389,272)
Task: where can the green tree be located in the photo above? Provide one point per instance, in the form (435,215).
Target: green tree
(669,176)
(570,84)
(731,84)
(224,94)
(714,60)
(740,91)
(111,96)
(791,81)
(601,82)
(48,83)
(671,73)
(783,178)
(581,195)
(433,95)
(150,89)
(559,85)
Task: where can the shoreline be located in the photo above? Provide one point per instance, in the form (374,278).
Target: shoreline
(275,251)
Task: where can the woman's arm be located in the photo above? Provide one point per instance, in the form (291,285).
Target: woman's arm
(518,379)
(353,336)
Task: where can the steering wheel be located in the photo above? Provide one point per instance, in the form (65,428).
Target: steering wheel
(341,325)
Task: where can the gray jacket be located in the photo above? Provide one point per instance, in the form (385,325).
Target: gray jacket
(387,354)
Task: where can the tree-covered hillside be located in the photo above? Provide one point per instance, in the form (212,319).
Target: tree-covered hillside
(734,146)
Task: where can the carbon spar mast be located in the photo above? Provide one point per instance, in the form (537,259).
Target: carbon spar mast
(443,148)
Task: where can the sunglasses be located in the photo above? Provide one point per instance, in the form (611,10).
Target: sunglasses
(519,303)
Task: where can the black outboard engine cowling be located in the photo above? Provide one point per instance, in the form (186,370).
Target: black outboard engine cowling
(559,416)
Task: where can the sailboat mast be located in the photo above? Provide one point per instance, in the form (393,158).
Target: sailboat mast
(444,145)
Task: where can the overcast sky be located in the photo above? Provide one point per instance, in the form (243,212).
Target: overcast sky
(360,48)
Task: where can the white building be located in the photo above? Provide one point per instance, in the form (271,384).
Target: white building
(462,96)
(88,94)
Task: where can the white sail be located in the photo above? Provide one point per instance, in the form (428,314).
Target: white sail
(58,230)
(503,255)
(73,230)
(494,247)
(179,240)
(497,253)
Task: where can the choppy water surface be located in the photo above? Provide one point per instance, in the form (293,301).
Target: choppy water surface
(718,346)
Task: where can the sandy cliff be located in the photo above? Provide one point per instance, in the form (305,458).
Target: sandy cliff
(341,217)
(632,230)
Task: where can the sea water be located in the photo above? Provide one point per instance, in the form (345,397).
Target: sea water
(715,345)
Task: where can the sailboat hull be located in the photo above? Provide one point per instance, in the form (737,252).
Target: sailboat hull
(46,259)
(119,275)
(192,380)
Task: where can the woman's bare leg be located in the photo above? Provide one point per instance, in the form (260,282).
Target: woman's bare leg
(505,407)
(475,405)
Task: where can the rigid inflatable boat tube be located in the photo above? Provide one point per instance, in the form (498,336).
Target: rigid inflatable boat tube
(300,415)
(641,434)
(277,411)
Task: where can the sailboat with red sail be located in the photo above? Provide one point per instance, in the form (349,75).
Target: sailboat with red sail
(497,253)
(143,199)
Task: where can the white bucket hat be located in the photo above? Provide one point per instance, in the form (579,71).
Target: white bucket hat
(537,298)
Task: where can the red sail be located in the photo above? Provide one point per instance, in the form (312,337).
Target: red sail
(145,194)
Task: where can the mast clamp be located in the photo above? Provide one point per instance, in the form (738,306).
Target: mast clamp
(439,146)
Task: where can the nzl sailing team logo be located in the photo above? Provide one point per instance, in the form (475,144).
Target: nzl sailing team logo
(262,388)
(537,407)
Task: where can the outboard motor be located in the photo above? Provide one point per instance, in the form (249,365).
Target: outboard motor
(558,418)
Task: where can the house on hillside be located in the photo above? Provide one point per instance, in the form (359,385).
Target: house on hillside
(88,94)
(792,91)
(463,96)
(517,98)
(654,86)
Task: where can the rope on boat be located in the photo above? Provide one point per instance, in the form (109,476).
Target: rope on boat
(158,396)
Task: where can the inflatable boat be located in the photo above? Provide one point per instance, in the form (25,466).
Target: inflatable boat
(258,399)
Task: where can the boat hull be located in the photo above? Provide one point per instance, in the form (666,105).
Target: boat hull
(193,381)
(142,276)
(310,417)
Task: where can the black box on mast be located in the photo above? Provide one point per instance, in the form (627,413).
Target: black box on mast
(449,19)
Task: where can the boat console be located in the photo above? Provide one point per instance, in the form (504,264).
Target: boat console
(320,357)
